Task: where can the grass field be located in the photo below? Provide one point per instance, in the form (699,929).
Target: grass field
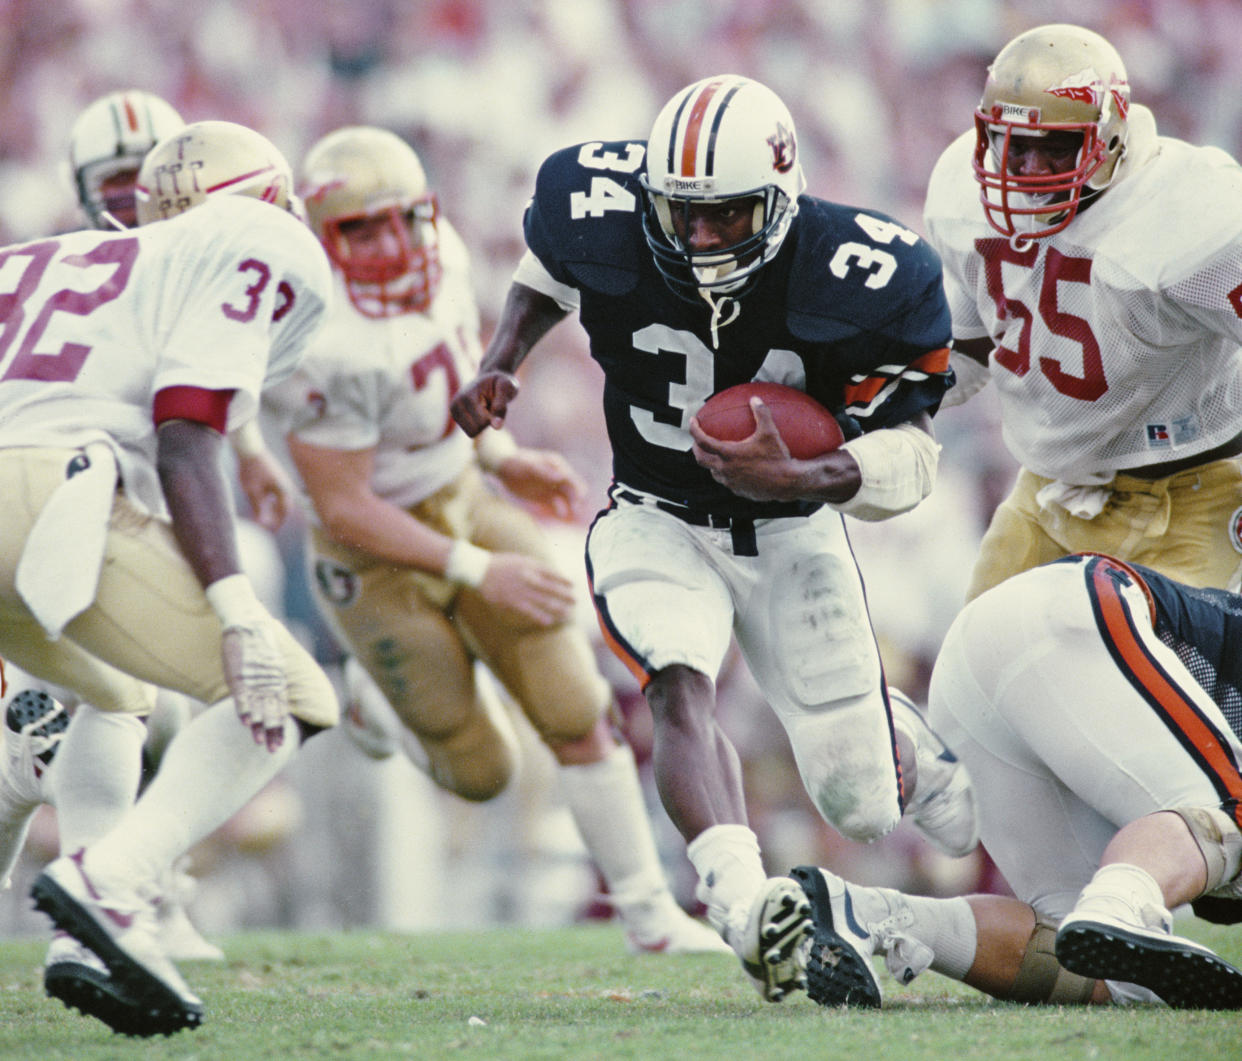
(575,993)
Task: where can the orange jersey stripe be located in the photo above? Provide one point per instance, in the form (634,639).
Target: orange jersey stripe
(934,362)
(1160,690)
(862,393)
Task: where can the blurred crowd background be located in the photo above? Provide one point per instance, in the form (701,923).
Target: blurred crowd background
(484,90)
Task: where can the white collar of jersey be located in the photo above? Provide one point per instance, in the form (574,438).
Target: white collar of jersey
(1141,142)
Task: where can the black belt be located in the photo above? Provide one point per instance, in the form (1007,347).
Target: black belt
(741,527)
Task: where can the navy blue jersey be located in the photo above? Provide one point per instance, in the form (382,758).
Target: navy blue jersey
(851,310)
(1204,628)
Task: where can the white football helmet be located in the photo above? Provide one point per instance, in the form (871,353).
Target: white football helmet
(207,159)
(724,137)
(361,173)
(106,147)
(1051,79)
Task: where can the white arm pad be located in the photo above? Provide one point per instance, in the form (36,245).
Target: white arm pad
(531,273)
(898,466)
(972,377)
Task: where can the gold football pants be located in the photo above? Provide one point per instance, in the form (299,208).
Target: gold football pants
(418,636)
(1185,526)
(150,620)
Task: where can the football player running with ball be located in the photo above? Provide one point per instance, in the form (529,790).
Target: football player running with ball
(129,356)
(420,567)
(695,263)
(1094,273)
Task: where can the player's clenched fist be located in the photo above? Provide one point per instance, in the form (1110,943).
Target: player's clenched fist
(484,401)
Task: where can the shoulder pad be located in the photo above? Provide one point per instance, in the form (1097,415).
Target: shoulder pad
(856,270)
(584,222)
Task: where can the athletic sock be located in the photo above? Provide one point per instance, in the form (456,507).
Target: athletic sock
(96,773)
(212,770)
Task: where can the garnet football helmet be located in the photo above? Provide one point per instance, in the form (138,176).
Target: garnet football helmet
(106,147)
(362,174)
(208,159)
(724,137)
(1053,79)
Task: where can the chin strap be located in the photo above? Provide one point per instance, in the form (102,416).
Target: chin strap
(718,308)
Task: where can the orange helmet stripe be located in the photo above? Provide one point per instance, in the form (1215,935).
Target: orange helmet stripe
(694,127)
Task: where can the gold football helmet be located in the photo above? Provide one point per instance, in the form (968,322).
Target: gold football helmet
(1051,80)
(106,147)
(208,159)
(367,200)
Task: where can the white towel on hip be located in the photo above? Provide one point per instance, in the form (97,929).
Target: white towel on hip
(58,573)
(1085,502)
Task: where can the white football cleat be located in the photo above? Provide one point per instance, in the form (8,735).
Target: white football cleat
(839,970)
(943,806)
(114,921)
(659,926)
(368,718)
(771,938)
(182,942)
(35,724)
(1107,938)
(77,977)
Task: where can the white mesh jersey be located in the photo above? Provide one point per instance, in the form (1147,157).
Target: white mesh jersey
(386,383)
(1116,339)
(94,324)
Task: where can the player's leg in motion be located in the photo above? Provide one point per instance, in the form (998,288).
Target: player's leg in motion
(668,615)
(105,894)
(553,676)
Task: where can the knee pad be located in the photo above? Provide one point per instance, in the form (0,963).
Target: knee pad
(1041,977)
(1219,840)
(476,760)
(822,632)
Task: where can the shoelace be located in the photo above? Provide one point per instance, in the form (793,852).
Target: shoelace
(41,743)
(904,956)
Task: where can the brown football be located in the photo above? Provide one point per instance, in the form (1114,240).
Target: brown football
(809,430)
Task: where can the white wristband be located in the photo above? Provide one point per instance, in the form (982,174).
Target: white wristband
(494,448)
(247,440)
(466,564)
(233,600)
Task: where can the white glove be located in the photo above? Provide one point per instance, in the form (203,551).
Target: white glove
(253,662)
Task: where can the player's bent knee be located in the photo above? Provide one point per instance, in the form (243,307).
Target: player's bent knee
(1219,840)
(863,820)
(1042,979)
(476,762)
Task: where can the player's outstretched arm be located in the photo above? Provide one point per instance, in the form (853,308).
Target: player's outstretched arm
(526,318)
